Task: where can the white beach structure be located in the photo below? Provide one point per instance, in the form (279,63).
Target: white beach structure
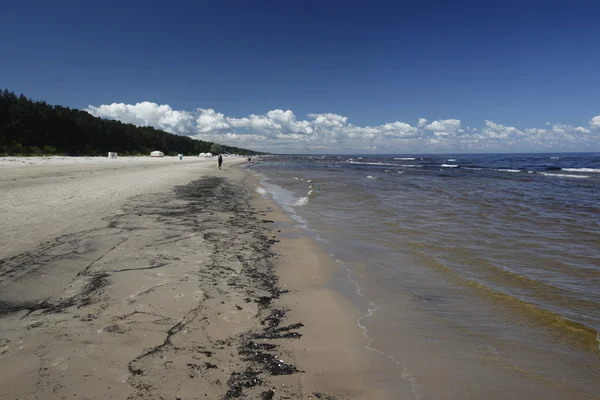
(157,154)
(112,154)
(202,155)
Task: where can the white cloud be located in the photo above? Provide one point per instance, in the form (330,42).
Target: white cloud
(282,130)
(445,127)
(493,130)
(210,121)
(328,120)
(146,114)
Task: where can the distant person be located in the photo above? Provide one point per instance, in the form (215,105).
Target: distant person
(220,160)
(249,159)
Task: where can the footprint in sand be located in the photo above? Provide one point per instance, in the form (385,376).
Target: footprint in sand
(198,295)
(58,363)
(4,346)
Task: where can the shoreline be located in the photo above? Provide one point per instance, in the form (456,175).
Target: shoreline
(174,289)
(332,350)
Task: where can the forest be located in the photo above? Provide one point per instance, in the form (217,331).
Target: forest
(30,127)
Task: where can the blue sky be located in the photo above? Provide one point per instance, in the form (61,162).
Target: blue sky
(340,67)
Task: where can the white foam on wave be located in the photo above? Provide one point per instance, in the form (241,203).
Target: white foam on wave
(310,180)
(400,172)
(449,165)
(310,186)
(285,198)
(261,191)
(296,178)
(554,158)
(565,175)
(594,170)
(370,177)
(411,166)
(508,170)
(370,163)
(472,168)
(451,159)
(310,192)
(405,158)
(302,201)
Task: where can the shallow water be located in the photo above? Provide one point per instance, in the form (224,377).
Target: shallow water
(479,275)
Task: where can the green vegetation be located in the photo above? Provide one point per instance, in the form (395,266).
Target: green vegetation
(216,148)
(37,128)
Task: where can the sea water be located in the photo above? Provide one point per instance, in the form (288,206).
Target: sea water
(478,275)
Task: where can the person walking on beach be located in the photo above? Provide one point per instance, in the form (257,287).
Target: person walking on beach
(220,160)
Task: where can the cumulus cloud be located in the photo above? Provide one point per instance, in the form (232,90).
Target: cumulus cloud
(282,130)
(493,130)
(445,127)
(147,114)
(210,121)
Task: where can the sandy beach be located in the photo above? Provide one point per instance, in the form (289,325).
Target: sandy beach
(164,279)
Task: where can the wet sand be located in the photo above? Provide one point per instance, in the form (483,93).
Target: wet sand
(164,281)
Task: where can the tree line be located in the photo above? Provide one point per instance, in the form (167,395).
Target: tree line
(30,127)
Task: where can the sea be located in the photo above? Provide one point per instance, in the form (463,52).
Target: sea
(477,276)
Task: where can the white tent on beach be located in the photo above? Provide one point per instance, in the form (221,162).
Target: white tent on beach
(202,155)
(208,155)
(157,154)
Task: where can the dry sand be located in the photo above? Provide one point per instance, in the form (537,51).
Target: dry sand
(161,279)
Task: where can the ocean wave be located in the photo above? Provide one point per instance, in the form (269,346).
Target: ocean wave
(473,168)
(405,158)
(302,201)
(310,192)
(565,175)
(261,191)
(370,163)
(554,158)
(596,170)
(370,177)
(451,159)
(411,166)
(449,165)
(508,170)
